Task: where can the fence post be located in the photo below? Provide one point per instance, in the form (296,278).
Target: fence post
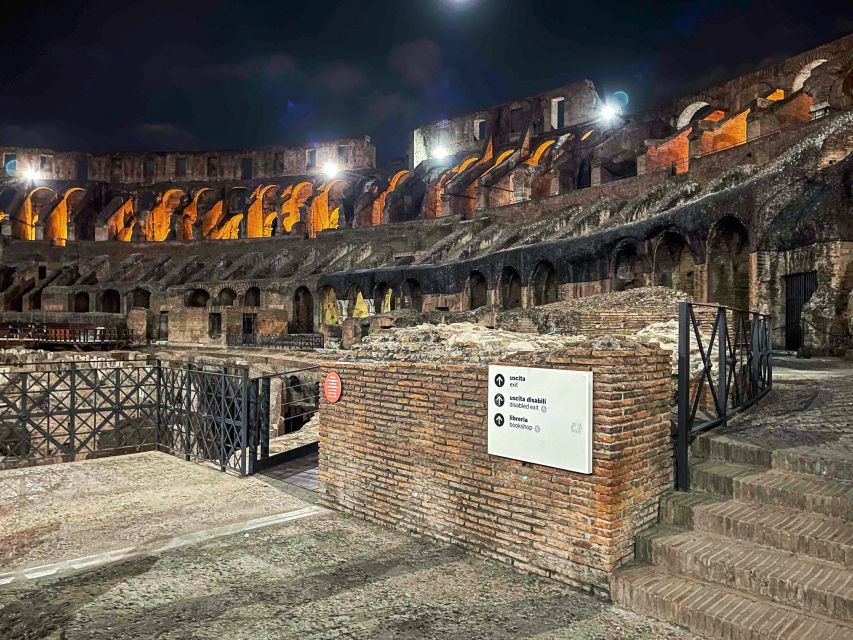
(264,416)
(244,426)
(187,411)
(158,392)
(722,362)
(682,472)
(223,422)
(72,404)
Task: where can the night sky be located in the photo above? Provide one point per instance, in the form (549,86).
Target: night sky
(221,75)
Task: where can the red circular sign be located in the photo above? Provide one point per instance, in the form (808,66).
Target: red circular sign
(332,387)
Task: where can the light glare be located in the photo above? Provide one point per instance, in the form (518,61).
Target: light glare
(32,174)
(331,170)
(609,111)
(439,153)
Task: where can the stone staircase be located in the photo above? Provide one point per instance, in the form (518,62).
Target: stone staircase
(760,548)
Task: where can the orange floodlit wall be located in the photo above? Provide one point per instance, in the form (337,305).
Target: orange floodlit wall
(322,215)
(537,155)
(211,219)
(121,223)
(728,134)
(256,219)
(378,205)
(673,152)
(294,198)
(158,225)
(56,225)
(24,226)
(190,215)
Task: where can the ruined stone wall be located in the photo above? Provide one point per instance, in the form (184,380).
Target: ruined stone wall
(406,446)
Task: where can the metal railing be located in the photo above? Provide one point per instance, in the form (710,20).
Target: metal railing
(735,358)
(293,341)
(53,335)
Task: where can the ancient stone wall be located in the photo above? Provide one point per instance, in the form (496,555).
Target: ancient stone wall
(406,446)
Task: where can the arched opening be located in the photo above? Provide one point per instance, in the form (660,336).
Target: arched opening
(158,224)
(198,298)
(728,264)
(411,295)
(510,288)
(674,265)
(110,301)
(226,297)
(383,299)
(805,73)
(356,304)
(34,208)
(62,217)
(303,311)
(478,291)
(252,298)
(584,177)
(329,312)
(689,114)
(294,199)
(627,268)
(140,299)
(546,288)
(81,302)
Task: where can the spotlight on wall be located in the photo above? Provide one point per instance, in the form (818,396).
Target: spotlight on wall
(608,111)
(31,174)
(439,153)
(330,169)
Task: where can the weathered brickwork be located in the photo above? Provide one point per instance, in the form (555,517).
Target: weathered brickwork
(406,446)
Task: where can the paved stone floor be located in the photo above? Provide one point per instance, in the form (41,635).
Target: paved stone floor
(326,576)
(810,408)
(302,472)
(57,512)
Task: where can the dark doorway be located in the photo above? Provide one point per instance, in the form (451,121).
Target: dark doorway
(799,288)
(303,311)
(248,328)
(510,289)
(81,302)
(252,297)
(111,301)
(411,295)
(477,290)
(163,326)
(246,169)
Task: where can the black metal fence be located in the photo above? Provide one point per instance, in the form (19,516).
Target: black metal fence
(293,341)
(44,335)
(64,411)
(727,351)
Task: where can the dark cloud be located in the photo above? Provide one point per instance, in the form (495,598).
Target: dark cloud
(418,62)
(270,66)
(342,79)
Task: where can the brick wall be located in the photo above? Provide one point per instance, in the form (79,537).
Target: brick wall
(406,446)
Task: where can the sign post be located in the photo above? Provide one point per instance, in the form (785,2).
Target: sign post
(542,416)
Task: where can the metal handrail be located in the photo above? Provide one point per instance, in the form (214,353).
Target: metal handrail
(740,353)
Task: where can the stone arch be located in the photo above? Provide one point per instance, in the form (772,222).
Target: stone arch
(356,304)
(329,312)
(411,295)
(510,288)
(543,148)
(61,217)
(728,261)
(25,221)
(302,317)
(584,173)
(261,211)
(477,290)
(252,297)
(110,301)
(81,302)
(383,299)
(325,208)
(544,284)
(191,212)
(197,298)
(140,299)
(804,73)
(627,272)
(686,115)
(294,199)
(158,224)
(674,266)
(226,297)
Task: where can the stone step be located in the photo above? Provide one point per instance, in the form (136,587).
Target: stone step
(815,586)
(824,496)
(711,446)
(816,461)
(717,477)
(676,507)
(791,530)
(714,611)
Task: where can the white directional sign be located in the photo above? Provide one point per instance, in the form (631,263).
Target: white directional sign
(542,416)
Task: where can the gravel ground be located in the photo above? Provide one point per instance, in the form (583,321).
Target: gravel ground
(327,576)
(59,512)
